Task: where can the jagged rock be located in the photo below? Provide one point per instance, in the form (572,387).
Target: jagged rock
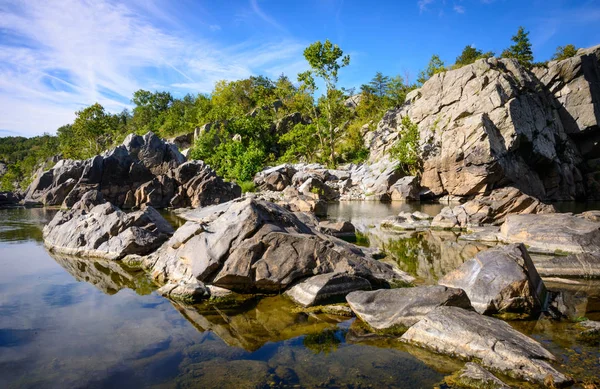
(353,101)
(287,123)
(590,215)
(184,141)
(495,344)
(552,233)
(501,279)
(276,178)
(326,288)
(142,170)
(254,245)
(483,126)
(94,228)
(406,221)
(405,189)
(391,308)
(338,229)
(315,187)
(491,209)
(475,376)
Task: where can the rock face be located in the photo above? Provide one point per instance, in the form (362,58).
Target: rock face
(326,288)
(143,170)
(403,307)
(488,125)
(502,279)
(586,265)
(466,334)
(8,199)
(95,228)
(490,209)
(560,232)
(253,245)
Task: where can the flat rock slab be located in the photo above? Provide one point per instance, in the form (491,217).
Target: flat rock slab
(501,279)
(551,233)
(475,376)
(325,288)
(403,307)
(496,345)
(586,265)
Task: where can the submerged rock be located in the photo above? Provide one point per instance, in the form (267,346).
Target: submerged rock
(326,288)
(475,376)
(501,279)
(253,245)
(392,308)
(407,221)
(95,228)
(495,344)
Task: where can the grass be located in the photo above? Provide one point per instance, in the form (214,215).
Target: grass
(247,186)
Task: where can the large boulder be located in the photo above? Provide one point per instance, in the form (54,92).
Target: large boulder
(96,228)
(405,189)
(552,233)
(483,126)
(142,170)
(392,308)
(326,288)
(501,279)
(494,343)
(252,245)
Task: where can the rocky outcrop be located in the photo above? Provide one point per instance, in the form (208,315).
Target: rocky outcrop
(252,245)
(387,309)
(326,288)
(143,170)
(485,126)
(96,228)
(474,376)
(495,344)
(339,229)
(406,221)
(502,279)
(553,233)
(491,209)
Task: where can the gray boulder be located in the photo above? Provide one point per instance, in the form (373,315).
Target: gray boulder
(339,229)
(405,189)
(501,279)
(552,233)
(326,288)
(474,376)
(95,228)
(495,344)
(406,221)
(252,245)
(391,308)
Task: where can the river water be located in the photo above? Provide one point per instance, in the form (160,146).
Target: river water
(67,322)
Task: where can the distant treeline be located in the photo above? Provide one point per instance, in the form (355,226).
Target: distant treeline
(244,137)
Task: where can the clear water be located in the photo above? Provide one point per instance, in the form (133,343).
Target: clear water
(67,322)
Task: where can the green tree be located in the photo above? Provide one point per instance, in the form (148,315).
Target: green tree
(435,66)
(564,52)
(469,55)
(406,149)
(150,109)
(379,84)
(521,50)
(397,91)
(90,134)
(325,60)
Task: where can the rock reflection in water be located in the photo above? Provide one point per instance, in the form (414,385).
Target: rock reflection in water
(21,224)
(108,276)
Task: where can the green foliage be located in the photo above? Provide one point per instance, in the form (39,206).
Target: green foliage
(247,186)
(406,150)
(300,144)
(90,134)
(469,55)
(521,50)
(324,342)
(564,52)
(435,66)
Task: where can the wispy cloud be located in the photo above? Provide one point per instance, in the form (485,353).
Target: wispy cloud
(459,9)
(57,57)
(259,12)
(423,4)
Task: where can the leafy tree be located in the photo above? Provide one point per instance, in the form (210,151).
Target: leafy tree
(564,52)
(521,50)
(406,149)
(148,114)
(469,55)
(379,84)
(89,135)
(300,144)
(325,60)
(435,66)
(397,91)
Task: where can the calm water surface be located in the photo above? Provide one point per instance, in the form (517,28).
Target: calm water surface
(67,322)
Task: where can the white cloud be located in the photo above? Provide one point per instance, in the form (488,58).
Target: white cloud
(57,57)
(423,4)
(459,9)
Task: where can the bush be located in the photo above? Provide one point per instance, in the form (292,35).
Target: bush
(406,150)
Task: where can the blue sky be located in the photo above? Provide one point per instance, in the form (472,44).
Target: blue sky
(57,56)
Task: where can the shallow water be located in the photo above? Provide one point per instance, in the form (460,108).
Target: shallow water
(67,322)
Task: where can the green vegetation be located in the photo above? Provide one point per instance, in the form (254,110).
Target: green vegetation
(521,50)
(564,52)
(324,342)
(247,124)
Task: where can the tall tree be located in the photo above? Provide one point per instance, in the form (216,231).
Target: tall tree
(564,52)
(469,55)
(379,84)
(521,50)
(325,60)
(435,66)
